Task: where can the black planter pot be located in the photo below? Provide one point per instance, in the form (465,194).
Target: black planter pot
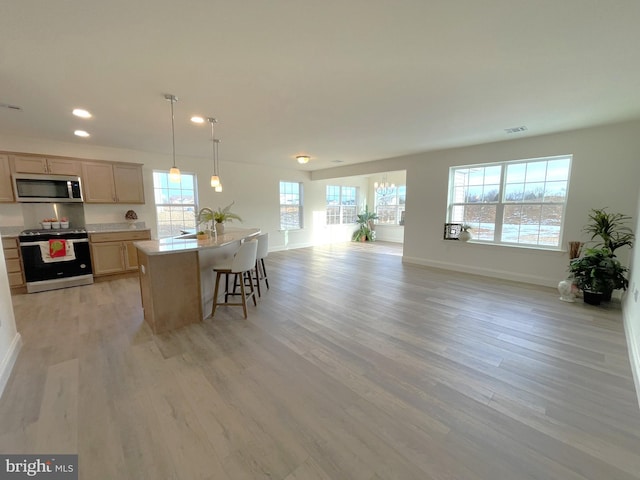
(592,298)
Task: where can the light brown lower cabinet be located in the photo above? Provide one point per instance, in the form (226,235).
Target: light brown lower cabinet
(12,259)
(113,253)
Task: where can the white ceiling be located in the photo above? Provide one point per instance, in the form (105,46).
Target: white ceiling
(348,80)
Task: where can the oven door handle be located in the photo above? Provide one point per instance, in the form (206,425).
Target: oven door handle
(73,240)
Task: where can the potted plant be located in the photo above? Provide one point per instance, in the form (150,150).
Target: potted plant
(609,231)
(131,217)
(365,226)
(202,235)
(222,215)
(596,273)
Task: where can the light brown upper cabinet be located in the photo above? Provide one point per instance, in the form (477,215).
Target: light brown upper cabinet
(6,189)
(50,166)
(129,184)
(104,182)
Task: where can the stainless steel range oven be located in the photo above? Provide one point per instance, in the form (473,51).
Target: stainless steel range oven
(69,266)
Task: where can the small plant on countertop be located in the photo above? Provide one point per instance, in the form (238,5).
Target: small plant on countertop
(222,215)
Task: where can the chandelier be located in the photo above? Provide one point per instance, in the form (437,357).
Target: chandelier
(384,187)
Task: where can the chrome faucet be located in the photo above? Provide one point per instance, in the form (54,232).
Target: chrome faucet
(204,215)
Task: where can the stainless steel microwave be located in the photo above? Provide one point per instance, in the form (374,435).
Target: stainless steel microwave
(46,188)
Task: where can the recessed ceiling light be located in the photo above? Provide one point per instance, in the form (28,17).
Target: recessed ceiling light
(197,119)
(81,133)
(81,112)
(515,129)
(302,159)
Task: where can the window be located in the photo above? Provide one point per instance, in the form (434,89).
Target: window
(341,204)
(175,203)
(520,202)
(290,205)
(389,204)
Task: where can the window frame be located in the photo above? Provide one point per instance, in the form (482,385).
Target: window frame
(502,202)
(194,205)
(299,205)
(341,205)
(399,207)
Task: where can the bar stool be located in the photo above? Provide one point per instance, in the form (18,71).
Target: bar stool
(261,271)
(241,265)
(262,252)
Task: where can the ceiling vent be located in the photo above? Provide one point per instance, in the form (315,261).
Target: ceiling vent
(11,107)
(337,161)
(515,129)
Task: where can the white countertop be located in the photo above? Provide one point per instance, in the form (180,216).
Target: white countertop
(179,245)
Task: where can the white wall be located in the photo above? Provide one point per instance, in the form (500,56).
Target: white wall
(631,310)
(10,342)
(605,172)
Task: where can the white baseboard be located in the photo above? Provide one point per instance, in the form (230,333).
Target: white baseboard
(282,248)
(9,361)
(486,272)
(634,349)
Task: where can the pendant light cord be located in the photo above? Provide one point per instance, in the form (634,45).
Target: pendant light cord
(213,150)
(173,133)
(215,156)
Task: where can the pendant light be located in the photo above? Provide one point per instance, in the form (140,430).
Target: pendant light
(218,187)
(174,173)
(215,179)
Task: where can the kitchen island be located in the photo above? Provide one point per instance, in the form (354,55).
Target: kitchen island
(176,276)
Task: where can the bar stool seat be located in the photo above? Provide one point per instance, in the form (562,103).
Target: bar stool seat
(241,266)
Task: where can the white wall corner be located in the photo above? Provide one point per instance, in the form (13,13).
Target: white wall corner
(9,360)
(633,344)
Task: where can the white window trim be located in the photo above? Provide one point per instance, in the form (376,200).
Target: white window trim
(342,205)
(156,205)
(397,206)
(500,203)
(300,206)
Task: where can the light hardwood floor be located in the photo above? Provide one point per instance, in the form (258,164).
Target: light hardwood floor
(352,366)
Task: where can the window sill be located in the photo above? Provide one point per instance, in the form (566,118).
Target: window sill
(505,245)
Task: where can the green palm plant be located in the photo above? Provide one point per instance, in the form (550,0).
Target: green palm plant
(365,230)
(612,229)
